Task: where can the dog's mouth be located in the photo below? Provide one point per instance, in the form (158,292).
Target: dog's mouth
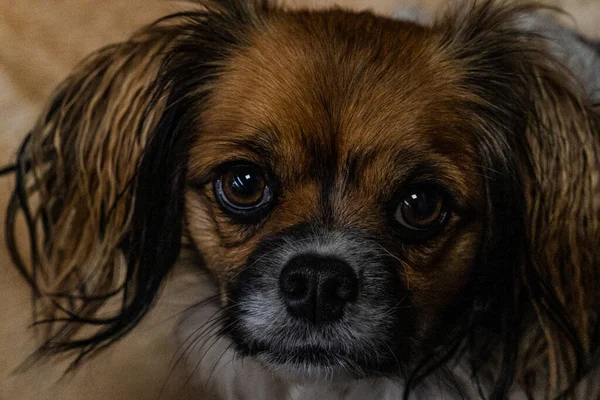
(324,358)
(311,361)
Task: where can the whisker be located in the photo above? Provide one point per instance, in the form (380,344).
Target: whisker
(217,364)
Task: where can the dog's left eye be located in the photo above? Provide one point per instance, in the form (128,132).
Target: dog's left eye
(242,189)
(422,210)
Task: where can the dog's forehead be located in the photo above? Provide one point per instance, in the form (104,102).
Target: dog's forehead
(329,91)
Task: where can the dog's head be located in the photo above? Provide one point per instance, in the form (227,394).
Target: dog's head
(370,196)
(337,216)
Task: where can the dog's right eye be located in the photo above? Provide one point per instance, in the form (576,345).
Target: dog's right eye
(421,212)
(242,189)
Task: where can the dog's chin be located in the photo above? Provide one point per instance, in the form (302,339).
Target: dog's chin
(309,373)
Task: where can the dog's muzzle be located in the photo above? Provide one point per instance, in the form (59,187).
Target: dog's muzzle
(313,300)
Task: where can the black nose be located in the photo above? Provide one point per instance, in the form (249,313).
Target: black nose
(317,288)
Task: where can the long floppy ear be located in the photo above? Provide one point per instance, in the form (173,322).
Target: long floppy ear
(78,171)
(101,176)
(537,131)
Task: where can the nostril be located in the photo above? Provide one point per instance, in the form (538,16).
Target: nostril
(345,287)
(294,285)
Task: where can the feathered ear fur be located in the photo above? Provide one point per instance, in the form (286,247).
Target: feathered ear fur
(74,187)
(100,178)
(537,132)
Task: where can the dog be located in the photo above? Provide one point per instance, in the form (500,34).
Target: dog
(362,206)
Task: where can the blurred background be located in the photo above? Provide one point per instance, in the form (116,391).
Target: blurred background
(41,40)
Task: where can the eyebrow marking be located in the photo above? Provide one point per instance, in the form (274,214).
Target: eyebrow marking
(354,163)
(263,148)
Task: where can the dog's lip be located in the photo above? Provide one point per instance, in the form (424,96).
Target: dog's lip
(306,359)
(302,354)
(348,359)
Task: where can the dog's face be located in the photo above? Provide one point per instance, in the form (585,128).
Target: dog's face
(339,218)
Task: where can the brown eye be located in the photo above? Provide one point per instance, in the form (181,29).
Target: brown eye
(421,210)
(242,189)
